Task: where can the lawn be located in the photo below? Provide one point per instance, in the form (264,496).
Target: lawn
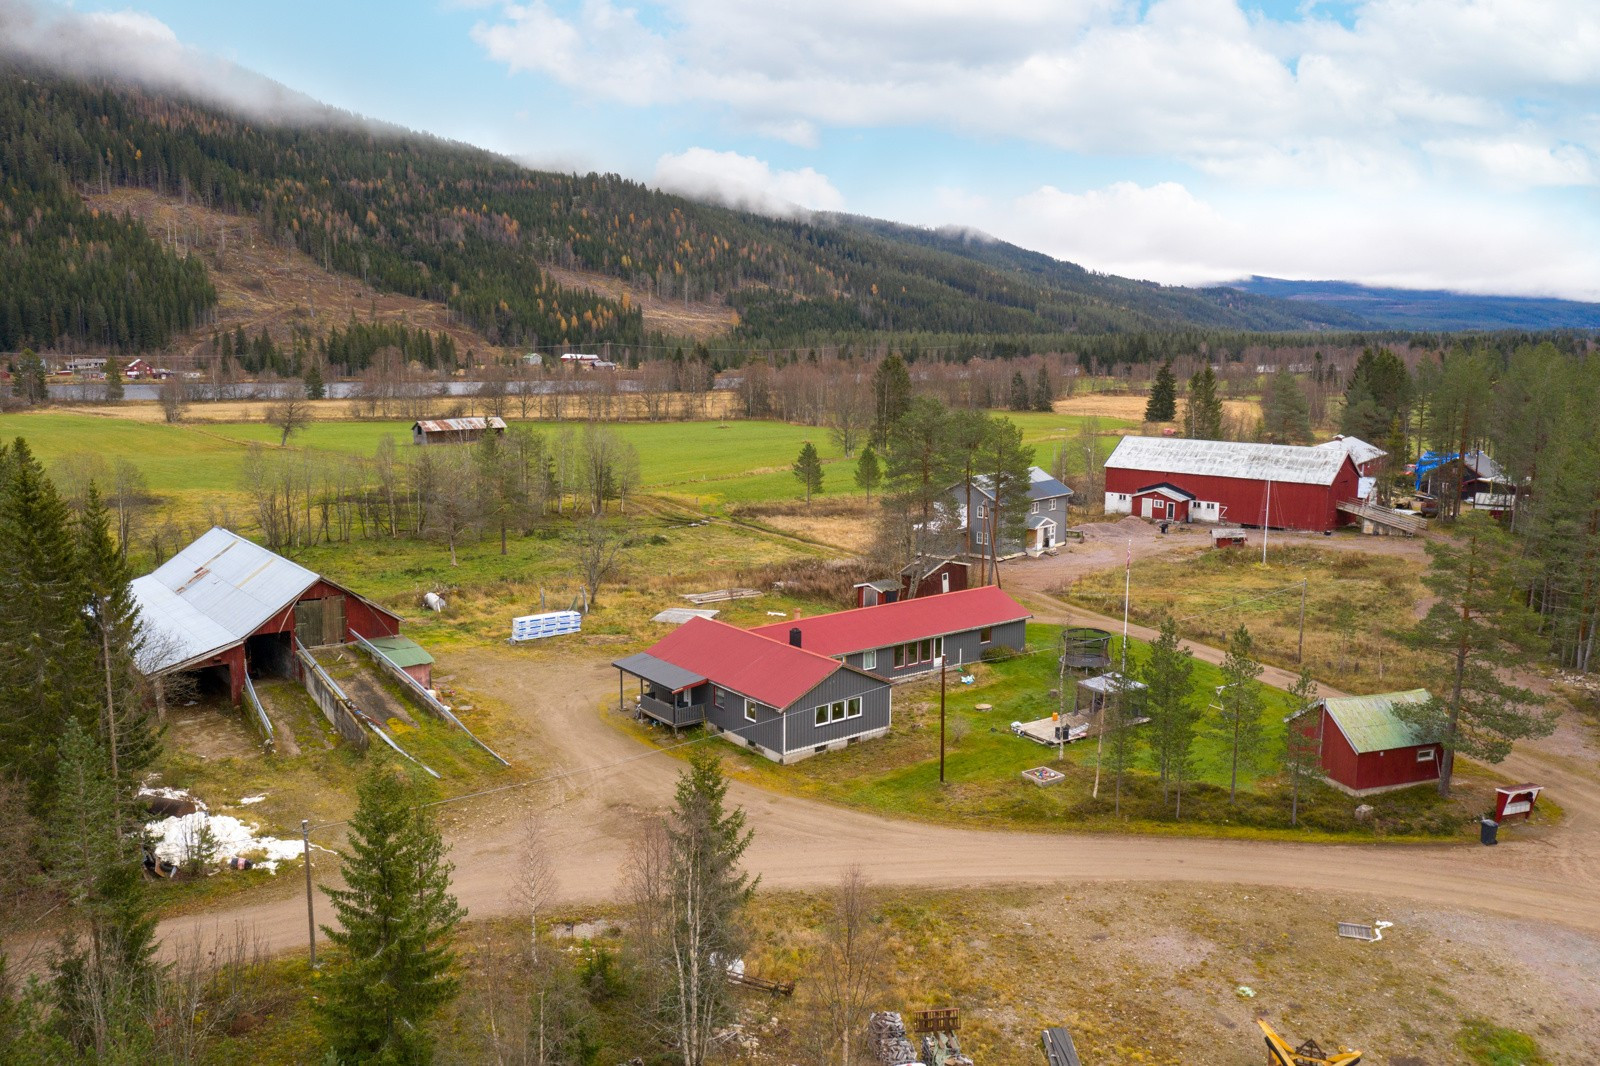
(899,774)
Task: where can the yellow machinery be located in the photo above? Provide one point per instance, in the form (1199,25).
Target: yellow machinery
(1279,1053)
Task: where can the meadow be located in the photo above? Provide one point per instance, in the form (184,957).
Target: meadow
(702,464)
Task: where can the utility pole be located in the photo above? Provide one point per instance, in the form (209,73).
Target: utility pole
(1300,654)
(1266,518)
(311,916)
(941,719)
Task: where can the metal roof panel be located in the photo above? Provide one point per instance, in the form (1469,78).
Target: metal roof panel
(1370,723)
(887,624)
(1226,458)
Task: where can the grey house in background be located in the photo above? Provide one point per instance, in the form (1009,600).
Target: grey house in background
(1046,520)
(780,700)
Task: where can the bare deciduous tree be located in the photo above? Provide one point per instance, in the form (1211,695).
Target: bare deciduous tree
(848,969)
(290,417)
(597,548)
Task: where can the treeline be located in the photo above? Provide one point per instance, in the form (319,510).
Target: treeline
(346,351)
(445,222)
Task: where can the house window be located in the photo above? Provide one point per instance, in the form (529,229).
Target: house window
(899,656)
(981,512)
(717,698)
(1033,508)
(869,659)
(838,711)
(822,715)
(927,652)
(853,707)
(1425,755)
(749,711)
(986,634)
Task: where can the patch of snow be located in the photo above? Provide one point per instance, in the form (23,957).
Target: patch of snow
(172,794)
(247,800)
(173,839)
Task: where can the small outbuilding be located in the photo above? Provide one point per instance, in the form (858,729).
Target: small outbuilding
(872,593)
(1365,746)
(412,658)
(455,430)
(936,578)
(1095,692)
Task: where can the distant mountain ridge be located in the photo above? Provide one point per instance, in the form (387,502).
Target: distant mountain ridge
(1430,309)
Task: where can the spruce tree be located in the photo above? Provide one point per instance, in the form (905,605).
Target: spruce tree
(869,475)
(113,380)
(104,973)
(1285,411)
(1021,399)
(46,673)
(891,396)
(1202,413)
(1044,391)
(1162,406)
(316,389)
(111,619)
(808,469)
(1238,722)
(392,967)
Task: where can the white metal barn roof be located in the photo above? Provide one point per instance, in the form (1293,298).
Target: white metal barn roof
(1357,449)
(1224,458)
(460,425)
(212,595)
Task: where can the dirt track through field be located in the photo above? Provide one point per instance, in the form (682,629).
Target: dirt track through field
(801,843)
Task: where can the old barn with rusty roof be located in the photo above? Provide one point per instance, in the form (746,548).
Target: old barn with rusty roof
(225,608)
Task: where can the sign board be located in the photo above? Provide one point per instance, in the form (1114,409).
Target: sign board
(1515,801)
(548,624)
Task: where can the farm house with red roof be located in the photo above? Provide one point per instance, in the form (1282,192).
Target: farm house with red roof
(904,638)
(782,701)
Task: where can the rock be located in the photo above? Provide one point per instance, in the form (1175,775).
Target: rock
(1365,812)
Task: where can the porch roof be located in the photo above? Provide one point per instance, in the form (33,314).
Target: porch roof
(659,672)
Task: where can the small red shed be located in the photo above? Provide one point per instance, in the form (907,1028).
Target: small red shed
(1365,746)
(948,575)
(1163,501)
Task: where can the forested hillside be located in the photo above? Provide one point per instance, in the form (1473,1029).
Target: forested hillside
(419,216)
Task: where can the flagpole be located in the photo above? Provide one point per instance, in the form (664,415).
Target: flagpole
(1100,737)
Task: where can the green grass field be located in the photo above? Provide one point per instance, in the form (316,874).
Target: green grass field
(709,463)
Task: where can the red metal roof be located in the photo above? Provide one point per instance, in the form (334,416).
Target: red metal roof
(748,663)
(901,622)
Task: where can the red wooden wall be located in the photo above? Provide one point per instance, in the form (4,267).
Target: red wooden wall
(1372,769)
(1294,505)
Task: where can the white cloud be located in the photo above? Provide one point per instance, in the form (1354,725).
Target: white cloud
(746,183)
(1409,239)
(1194,79)
(135,46)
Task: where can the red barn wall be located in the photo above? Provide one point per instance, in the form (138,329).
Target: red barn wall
(1244,501)
(359,615)
(1397,766)
(1339,759)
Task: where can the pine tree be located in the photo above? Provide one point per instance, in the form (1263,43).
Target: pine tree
(392,967)
(1163,403)
(1169,701)
(1478,627)
(869,475)
(315,387)
(114,391)
(1301,743)
(808,469)
(1238,722)
(28,379)
(1202,413)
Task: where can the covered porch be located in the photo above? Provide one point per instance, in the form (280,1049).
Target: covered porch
(1040,536)
(668,694)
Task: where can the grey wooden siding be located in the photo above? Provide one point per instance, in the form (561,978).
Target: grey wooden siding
(840,685)
(766,731)
(963,647)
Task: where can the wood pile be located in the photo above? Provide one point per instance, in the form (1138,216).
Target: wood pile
(886,1032)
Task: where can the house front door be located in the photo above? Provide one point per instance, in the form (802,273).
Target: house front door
(944,582)
(1149,507)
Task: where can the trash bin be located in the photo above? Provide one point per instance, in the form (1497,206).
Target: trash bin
(1163,527)
(1488,831)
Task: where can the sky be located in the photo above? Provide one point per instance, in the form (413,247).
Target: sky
(1415,143)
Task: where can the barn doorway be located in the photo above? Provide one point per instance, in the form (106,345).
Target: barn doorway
(320,622)
(268,655)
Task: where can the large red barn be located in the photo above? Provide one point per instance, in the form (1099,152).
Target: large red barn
(1281,486)
(1364,746)
(224,607)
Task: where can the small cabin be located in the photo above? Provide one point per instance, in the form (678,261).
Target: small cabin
(872,593)
(950,575)
(455,430)
(1365,746)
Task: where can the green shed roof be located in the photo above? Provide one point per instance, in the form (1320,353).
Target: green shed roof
(402,651)
(1371,724)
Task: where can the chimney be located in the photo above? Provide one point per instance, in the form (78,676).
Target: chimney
(797,613)
(794,636)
